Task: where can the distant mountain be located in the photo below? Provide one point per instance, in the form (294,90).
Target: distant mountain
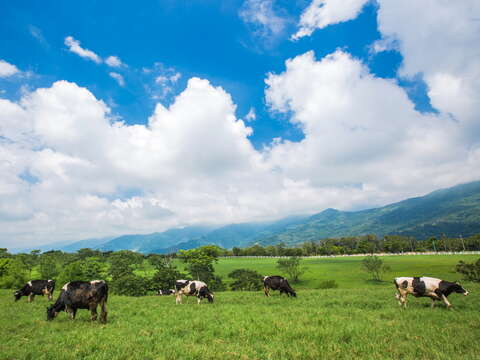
(150,242)
(88,243)
(233,235)
(451,211)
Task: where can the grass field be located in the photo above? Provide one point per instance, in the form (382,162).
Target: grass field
(357,320)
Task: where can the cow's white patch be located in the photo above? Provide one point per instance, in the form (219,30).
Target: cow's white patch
(96,281)
(65,287)
(30,283)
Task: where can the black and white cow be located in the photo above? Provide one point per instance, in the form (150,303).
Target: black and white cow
(192,288)
(81,295)
(166,292)
(36,287)
(276,282)
(435,289)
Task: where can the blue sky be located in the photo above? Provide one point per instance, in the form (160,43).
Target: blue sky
(137,118)
(208,39)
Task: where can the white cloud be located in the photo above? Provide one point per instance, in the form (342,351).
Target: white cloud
(7,69)
(363,130)
(251,115)
(439,40)
(74,46)
(264,20)
(322,13)
(114,61)
(118,77)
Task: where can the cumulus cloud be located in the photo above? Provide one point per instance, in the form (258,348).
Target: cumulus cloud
(7,69)
(74,46)
(118,77)
(114,61)
(322,13)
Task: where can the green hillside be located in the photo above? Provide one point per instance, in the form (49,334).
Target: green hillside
(453,212)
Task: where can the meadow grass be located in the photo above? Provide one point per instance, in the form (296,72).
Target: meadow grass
(362,321)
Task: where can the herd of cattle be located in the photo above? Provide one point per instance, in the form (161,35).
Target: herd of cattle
(89,295)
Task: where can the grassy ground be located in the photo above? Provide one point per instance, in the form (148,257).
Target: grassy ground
(357,320)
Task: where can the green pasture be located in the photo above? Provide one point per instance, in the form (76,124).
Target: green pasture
(348,272)
(359,320)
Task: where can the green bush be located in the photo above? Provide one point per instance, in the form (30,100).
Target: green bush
(130,285)
(245,279)
(470,271)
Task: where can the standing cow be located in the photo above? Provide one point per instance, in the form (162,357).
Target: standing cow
(192,288)
(81,295)
(435,289)
(276,282)
(36,287)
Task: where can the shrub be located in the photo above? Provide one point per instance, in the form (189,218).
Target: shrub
(470,271)
(328,284)
(245,279)
(375,266)
(130,285)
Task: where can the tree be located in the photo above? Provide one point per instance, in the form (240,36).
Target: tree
(93,268)
(469,271)
(72,272)
(121,264)
(291,266)
(375,266)
(15,274)
(200,261)
(130,285)
(245,279)
(48,267)
(165,275)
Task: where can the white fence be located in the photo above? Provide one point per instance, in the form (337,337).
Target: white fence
(377,254)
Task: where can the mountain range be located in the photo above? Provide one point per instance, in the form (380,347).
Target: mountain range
(454,211)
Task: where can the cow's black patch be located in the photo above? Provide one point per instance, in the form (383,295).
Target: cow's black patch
(419,287)
(404,284)
(179,285)
(192,289)
(447,287)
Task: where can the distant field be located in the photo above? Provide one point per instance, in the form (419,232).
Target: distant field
(348,272)
(357,320)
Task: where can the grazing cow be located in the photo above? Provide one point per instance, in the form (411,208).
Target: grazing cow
(165,292)
(81,295)
(276,282)
(36,287)
(192,288)
(435,289)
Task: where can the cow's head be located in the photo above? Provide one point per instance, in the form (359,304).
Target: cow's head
(293,293)
(459,289)
(210,297)
(51,312)
(17,295)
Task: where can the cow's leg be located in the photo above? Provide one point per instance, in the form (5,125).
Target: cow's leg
(93,312)
(103,312)
(50,296)
(70,312)
(266,291)
(447,303)
(198,300)
(31,297)
(178,298)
